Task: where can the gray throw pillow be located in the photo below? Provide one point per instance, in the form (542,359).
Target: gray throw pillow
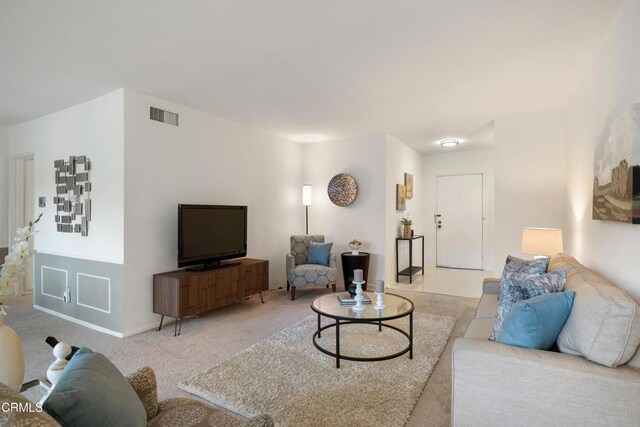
(92,392)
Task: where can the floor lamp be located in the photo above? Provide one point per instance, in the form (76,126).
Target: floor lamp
(306,201)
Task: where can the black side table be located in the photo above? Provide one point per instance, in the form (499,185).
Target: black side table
(352,262)
(412,269)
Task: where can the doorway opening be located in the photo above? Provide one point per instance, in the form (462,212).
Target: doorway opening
(22,208)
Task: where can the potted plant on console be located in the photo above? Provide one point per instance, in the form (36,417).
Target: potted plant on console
(406,227)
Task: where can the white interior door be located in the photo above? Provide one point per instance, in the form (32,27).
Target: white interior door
(459,221)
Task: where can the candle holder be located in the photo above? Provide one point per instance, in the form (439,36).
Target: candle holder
(379,301)
(358,298)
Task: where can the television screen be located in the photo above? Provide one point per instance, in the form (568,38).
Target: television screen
(208,234)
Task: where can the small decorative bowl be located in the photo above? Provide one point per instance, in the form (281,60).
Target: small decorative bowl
(354,248)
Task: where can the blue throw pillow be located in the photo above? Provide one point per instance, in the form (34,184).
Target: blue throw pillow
(516,289)
(537,322)
(319,253)
(92,392)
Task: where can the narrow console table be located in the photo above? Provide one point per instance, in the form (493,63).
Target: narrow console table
(183,293)
(412,269)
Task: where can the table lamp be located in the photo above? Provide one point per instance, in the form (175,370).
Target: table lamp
(541,242)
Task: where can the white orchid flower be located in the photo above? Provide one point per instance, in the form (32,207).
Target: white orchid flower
(13,264)
(21,248)
(23,234)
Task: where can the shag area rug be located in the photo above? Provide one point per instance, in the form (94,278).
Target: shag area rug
(286,377)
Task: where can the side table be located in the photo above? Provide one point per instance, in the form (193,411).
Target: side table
(352,262)
(36,390)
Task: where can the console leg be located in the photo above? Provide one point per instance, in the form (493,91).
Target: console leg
(261,298)
(293,293)
(180,329)
(333,287)
(175,328)
(327,286)
(288,285)
(338,343)
(161,319)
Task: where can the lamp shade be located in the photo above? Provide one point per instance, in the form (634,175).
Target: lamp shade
(541,241)
(306,195)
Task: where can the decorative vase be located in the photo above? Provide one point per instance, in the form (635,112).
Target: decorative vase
(406,231)
(11,357)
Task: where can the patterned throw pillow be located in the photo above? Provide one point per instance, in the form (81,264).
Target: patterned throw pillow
(523,267)
(517,289)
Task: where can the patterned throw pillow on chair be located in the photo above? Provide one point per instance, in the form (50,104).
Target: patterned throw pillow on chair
(518,289)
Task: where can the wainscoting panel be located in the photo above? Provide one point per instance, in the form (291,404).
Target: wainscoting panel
(95,288)
(53,281)
(94,292)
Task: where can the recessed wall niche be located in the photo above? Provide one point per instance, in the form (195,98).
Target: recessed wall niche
(73,195)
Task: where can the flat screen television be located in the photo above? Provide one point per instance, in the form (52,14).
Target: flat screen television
(208,234)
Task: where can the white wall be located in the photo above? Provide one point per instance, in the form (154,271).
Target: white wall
(459,163)
(4,175)
(612,83)
(364,159)
(94,129)
(529,178)
(206,160)
(401,159)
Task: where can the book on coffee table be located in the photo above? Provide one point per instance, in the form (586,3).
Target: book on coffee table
(346,299)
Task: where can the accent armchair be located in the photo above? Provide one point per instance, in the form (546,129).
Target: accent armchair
(299,273)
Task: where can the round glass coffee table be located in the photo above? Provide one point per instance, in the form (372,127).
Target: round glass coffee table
(395,307)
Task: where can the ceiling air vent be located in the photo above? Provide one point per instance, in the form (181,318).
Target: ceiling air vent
(163,116)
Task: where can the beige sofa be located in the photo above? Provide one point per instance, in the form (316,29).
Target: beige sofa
(499,385)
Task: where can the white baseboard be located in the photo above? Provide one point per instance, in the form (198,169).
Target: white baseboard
(141,329)
(79,322)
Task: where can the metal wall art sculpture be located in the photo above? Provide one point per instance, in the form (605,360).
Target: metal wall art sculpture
(73,195)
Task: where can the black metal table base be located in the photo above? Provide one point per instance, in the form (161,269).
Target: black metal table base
(338,356)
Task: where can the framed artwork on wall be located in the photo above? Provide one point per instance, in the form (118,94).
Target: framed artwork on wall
(616,181)
(408,185)
(401,201)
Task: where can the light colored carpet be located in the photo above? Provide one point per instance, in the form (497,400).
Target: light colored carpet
(288,378)
(222,333)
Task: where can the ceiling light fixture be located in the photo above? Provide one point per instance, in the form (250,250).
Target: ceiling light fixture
(448,143)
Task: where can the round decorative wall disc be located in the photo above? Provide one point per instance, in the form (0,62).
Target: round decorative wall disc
(342,189)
